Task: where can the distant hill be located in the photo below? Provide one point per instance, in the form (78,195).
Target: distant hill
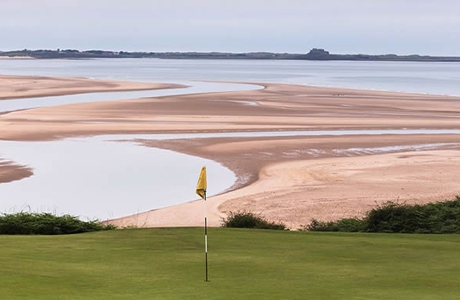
(313,54)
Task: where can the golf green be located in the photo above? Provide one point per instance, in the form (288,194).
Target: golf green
(243,264)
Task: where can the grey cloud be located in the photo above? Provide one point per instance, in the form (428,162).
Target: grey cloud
(404,26)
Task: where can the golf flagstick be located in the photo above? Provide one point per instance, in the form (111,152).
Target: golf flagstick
(201,187)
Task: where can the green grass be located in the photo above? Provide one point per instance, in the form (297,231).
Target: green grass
(243,264)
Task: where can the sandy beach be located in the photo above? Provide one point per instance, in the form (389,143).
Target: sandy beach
(287,179)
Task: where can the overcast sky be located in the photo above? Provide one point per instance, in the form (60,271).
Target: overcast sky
(295,26)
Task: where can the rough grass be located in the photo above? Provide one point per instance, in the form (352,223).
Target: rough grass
(243,264)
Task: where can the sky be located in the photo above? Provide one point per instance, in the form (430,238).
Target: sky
(427,27)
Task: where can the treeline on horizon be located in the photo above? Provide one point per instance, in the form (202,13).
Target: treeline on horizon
(314,54)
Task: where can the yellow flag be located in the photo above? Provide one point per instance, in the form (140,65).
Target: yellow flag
(201,185)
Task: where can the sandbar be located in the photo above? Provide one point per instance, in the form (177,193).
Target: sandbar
(16,87)
(287,179)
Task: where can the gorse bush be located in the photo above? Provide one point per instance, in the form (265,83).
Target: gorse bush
(250,220)
(346,225)
(46,223)
(440,217)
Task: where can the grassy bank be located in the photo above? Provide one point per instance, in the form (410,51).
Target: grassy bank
(244,264)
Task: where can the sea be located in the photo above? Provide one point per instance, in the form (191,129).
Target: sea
(103,178)
(420,77)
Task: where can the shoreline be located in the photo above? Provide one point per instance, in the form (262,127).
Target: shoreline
(292,204)
(259,190)
(15,57)
(283,194)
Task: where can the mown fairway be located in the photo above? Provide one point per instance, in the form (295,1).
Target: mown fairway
(243,264)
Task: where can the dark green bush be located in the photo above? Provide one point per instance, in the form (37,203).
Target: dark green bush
(250,220)
(392,217)
(440,217)
(345,225)
(46,223)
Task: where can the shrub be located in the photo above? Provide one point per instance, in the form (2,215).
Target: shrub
(250,220)
(440,217)
(390,217)
(46,223)
(345,225)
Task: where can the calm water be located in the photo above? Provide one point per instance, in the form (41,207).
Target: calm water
(99,178)
(435,78)
(193,87)
(104,179)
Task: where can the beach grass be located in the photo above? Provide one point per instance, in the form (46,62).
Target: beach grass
(243,264)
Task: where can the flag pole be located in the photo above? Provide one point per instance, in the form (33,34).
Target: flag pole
(201,188)
(206,236)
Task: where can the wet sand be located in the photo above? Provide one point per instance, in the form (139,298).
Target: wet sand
(14,87)
(11,172)
(287,179)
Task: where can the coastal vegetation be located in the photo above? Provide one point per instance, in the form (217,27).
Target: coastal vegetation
(391,217)
(168,263)
(313,54)
(244,219)
(25,223)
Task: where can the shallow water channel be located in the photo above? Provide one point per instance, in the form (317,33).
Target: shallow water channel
(99,177)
